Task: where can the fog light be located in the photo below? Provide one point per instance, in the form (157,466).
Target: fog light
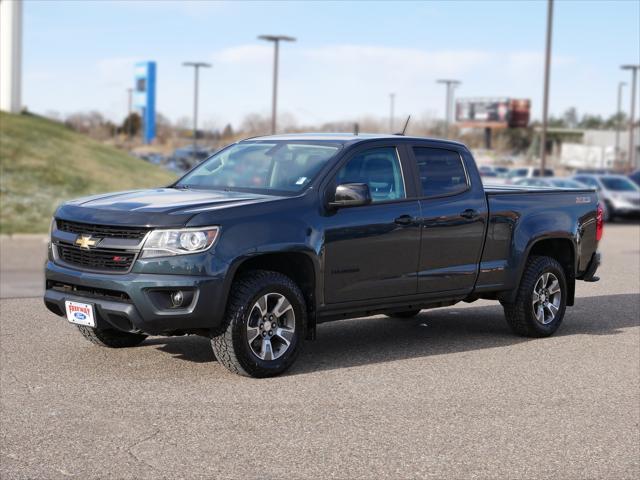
(177,298)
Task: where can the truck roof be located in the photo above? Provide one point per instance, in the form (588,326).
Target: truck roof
(345,137)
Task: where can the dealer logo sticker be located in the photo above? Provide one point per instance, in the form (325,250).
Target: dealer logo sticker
(80,313)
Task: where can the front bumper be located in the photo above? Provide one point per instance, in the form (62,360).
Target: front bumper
(625,209)
(133,301)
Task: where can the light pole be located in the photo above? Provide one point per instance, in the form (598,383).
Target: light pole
(451,84)
(129,119)
(632,113)
(545,96)
(392,98)
(276,39)
(196,66)
(619,121)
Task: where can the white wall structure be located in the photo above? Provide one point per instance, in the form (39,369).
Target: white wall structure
(10,55)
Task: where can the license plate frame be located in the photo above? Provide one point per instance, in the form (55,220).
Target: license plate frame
(80,313)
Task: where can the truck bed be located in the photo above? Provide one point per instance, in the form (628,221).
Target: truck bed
(521,216)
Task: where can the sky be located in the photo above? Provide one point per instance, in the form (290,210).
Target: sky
(348,57)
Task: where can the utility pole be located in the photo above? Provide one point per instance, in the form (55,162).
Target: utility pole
(545,96)
(276,39)
(11,56)
(129,111)
(451,85)
(618,157)
(632,113)
(196,66)
(392,98)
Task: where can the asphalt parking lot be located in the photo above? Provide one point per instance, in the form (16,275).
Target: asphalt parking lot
(450,394)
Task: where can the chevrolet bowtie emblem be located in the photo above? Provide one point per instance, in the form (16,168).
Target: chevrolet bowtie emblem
(86,242)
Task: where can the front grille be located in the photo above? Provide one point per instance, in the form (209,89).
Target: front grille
(90,292)
(103,231)
(98,259)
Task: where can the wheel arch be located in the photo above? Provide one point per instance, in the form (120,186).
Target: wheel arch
(561,249)
(298,265)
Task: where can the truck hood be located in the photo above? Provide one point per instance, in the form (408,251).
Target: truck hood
(158,207)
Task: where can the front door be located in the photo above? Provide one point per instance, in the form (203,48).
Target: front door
(371,251)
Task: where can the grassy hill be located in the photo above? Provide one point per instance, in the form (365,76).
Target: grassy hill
(43,163)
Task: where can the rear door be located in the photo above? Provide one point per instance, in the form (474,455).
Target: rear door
(371,251)
(453,218)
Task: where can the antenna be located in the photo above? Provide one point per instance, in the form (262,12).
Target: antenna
(406,124)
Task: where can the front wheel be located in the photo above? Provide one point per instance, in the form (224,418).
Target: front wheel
(541,300)
(263,326)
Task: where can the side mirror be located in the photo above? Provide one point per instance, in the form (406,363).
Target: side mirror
(351,195)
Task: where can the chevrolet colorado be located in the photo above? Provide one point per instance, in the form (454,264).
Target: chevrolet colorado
(273,235)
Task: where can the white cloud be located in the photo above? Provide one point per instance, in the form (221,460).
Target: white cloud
(244,54)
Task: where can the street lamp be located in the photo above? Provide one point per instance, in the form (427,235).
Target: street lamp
(632,112)
(392,98)
(545,95)
(451,84)
(196,66)
(276,43)
(619,121)
(129,108)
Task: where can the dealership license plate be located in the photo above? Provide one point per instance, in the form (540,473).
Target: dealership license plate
(80,313)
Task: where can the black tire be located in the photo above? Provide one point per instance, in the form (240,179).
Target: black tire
(231,345)
(403,314)
(111,338)
(520,315)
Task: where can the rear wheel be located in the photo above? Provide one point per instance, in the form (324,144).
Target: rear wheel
(403,314)
(541,300)
(263,326)
(111,338)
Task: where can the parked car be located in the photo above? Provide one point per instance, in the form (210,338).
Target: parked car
(519,173)
(273,235)
(635,177)
(550,182)
(620,195)
(487,171)
(559,182)
(501,171)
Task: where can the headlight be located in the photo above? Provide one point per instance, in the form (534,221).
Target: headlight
(164,243)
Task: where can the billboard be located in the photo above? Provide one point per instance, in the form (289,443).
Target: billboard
(144,97)
(493,112)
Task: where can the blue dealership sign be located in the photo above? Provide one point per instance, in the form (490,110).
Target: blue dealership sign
(145,97)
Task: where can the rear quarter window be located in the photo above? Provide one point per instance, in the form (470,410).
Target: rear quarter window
(441,171)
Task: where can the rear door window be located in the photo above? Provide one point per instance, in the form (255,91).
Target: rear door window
(441,171)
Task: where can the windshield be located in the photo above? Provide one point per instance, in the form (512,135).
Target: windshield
(278,166)
(618,184)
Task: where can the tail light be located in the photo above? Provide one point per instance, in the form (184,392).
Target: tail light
(599,222)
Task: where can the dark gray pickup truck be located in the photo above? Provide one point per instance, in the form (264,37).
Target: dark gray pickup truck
(272,235)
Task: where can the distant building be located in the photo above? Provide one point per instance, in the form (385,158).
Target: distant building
(597,149)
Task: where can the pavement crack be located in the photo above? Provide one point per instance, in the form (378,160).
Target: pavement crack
(140,442)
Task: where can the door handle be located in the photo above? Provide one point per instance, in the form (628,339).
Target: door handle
(469,213)
(405,220)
